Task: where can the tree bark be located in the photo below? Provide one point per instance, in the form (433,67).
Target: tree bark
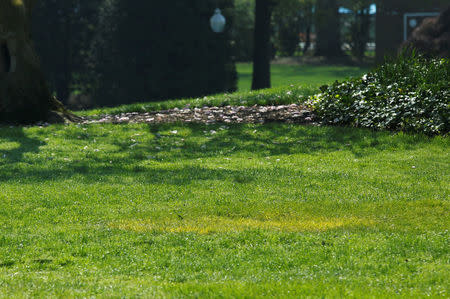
(328,41)
(308,40)
(24,94)
(262,48)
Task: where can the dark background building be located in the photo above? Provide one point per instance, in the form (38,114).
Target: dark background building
(397,18)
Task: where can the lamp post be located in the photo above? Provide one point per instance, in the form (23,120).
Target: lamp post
(218,21)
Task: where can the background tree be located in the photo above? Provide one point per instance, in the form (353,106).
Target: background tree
(359,26)
(286,21)
(284,36)
(146,51)
(262,47)
(63,31)
(24,95)
(307,22)
(328,41)
(290,18)
(243,29)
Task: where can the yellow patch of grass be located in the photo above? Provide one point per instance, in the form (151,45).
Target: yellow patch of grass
(213,224)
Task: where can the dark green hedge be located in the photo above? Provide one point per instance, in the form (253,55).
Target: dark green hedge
(153,50)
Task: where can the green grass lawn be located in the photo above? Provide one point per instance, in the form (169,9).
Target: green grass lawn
(177,210)
(306,75)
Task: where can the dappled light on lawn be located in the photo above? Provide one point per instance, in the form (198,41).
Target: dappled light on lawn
(164,209)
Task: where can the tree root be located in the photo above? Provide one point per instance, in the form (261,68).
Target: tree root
(59,114)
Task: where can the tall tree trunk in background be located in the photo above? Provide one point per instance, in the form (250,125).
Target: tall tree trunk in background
(24,95)
(328,42)
(62,89)
(308,40)
(262,48)
(359,31)
(308,20)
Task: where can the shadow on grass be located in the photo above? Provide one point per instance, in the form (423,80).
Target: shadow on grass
(172,158)
(273,139)
(14,143)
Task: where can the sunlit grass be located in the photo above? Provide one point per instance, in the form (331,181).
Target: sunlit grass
(306,75)
(415,216)
(185,210)
(7,146)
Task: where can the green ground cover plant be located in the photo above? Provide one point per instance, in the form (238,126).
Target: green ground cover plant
(411,93)
(191,210)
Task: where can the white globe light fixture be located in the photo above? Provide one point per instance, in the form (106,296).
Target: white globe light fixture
(413,23)
(218,21)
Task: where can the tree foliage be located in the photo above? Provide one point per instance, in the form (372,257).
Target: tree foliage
(359,28)
(328,42)
(290,18)
(146,51)
(120,51)
(243,29)
(63,31)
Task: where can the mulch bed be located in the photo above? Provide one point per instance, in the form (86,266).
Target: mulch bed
(227,114)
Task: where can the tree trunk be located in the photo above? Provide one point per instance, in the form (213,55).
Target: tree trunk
(24,95)
(308,40)
(359,33)
(308,21)
(328,41)
(262,48)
